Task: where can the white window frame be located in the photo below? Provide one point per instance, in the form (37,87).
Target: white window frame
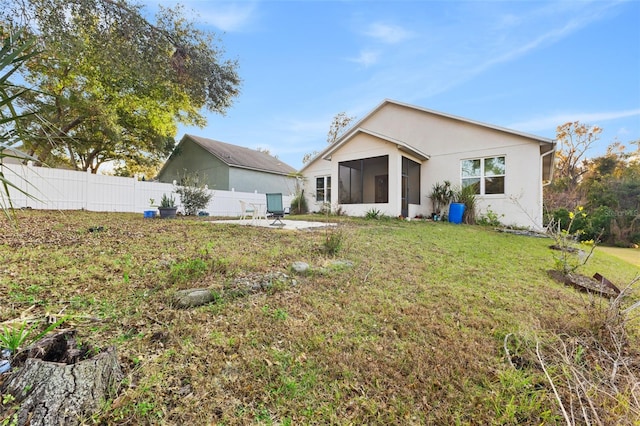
(482,176)
(326,189)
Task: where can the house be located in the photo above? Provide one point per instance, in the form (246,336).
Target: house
(390,160)
(13,156)
(227,167)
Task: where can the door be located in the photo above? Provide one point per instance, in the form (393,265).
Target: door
(404,206)
(382,189)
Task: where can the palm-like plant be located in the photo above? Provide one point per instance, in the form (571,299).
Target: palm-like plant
(441,195)
(15,51)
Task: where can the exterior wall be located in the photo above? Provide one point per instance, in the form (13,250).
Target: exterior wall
(447,141)
(361,146)
(255,181)
(195,159)
(318,168)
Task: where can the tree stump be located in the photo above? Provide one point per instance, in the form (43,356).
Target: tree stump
(59,383)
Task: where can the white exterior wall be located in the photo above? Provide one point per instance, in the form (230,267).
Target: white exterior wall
(318,168)
(447,141)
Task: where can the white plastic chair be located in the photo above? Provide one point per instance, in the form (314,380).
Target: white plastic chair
(247,210)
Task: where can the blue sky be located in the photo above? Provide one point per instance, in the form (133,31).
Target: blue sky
(525,65)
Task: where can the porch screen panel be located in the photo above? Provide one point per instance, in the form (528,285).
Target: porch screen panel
(411,170)
(356,179)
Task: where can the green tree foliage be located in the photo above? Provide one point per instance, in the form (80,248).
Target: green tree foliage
(607,186)
(114,85)
(574,140)
(612,192)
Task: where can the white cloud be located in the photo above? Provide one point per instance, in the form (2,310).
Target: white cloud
(388,34)
(551,122)
(366,58)
(229,17)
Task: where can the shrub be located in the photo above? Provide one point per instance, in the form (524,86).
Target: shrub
(467,196)
(373,214)
(441,195)
(194,194)
(490,218)
(299,204)
(333,241)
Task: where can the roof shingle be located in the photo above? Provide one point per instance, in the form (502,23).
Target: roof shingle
(238,156)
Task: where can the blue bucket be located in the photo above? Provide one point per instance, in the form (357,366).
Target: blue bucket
(149,214)
(456,211)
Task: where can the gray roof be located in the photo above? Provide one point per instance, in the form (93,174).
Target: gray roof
(238,156)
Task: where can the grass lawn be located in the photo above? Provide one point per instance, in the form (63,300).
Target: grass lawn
(631,255)
(416,331)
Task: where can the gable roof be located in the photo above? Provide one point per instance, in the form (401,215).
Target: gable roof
(241,157)
(458,118)
(402,146)
(549,144)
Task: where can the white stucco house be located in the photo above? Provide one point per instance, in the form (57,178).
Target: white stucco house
(390,160)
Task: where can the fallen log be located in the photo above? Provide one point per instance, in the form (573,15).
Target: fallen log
(59,383)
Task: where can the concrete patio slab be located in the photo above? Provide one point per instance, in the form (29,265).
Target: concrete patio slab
(288,224)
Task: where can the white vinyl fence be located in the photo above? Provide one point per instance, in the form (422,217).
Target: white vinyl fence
(58,189)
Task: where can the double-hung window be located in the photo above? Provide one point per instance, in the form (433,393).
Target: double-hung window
(487,175)
(323,189)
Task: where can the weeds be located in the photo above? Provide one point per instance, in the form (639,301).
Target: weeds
(333,241)
(373,214)
(592,365)
(13,338)
(569,258)
(490,218)
(196,268)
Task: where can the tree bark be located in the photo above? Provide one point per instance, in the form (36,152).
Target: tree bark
(56,393)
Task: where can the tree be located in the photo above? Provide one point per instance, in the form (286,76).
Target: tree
(113,85)
(612,190)
(339,124)
(574,140)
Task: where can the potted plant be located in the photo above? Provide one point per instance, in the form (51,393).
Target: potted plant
(441,195)
(167,207)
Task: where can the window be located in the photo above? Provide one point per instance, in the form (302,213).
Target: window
(485,174)
(364,180)
(323,189)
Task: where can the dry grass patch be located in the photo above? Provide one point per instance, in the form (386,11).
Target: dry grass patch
(413,333)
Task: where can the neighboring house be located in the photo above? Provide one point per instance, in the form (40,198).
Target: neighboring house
(390,160)
(13,156)
(223,166)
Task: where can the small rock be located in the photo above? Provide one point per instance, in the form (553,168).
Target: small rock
(300,267)
(191,298)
